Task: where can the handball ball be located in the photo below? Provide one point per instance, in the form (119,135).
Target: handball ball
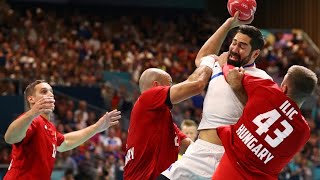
(247,8)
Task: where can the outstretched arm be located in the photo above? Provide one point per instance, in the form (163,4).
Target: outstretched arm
(214,43)
(74,139)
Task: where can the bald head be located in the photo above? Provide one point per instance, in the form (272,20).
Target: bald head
(154,77)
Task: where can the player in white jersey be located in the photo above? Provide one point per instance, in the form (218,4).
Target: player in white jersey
(221,105)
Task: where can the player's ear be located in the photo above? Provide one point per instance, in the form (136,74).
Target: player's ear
(155,84)
(284,88)
(255,54)
(31,99)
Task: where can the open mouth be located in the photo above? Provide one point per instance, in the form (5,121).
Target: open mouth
(234,57)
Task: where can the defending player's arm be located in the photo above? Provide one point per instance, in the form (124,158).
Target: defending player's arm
(214,43)
(195,83)
(74,139)
(184,145)
(234,78)
(17,130)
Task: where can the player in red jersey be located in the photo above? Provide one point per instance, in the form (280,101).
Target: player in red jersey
(271,129)
(35,139)
(153,139)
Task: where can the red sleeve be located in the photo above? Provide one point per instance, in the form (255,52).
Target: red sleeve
(60,138)
(247,79)
(250,83)
(180,134)
(226,68)
(156,97)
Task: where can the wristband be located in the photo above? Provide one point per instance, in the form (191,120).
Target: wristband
(208,61)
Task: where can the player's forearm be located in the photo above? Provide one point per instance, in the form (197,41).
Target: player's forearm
(214,43)
(18,128)
(192,86)
(234,77)
(76,138)
(241,95)
(184,145)
(238,90)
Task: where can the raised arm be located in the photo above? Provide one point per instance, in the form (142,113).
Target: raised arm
(17,130)
(74,139)
(195,83)
(214,43)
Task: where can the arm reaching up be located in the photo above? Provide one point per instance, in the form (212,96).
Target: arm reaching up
(214,43)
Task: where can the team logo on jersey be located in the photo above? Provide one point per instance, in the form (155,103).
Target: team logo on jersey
(129,155)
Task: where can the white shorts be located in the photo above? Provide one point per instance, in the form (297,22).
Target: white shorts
(199,162)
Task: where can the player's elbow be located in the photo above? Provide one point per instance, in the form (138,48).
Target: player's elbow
(9,139)
(12,138)
(197,62)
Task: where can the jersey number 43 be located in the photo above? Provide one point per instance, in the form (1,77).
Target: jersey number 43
(271,117)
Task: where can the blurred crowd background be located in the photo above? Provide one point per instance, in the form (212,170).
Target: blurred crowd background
(105,52)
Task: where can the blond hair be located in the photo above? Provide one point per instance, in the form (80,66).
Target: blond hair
(188,123)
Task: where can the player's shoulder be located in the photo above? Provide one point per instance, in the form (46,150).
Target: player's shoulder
(155,91)
(153,96)
(268,86)
(305,125)
(256,72)
(40,119)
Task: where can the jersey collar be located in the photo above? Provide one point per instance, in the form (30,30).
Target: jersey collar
(249,65)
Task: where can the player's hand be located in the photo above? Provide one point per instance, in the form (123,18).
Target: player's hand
(223,58)
(107,120)
(235,22)
(234,78)
(43,106)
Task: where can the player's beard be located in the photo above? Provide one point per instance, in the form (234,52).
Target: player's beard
(240,62)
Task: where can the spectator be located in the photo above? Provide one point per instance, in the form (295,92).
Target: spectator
(189,128)
(111,143)
(69,50)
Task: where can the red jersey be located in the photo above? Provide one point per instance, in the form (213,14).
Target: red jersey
(269,133)
(34,156)
(153,139)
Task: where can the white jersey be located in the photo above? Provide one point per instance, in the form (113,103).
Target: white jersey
(221,106)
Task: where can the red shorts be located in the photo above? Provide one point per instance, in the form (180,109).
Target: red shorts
(227,170)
